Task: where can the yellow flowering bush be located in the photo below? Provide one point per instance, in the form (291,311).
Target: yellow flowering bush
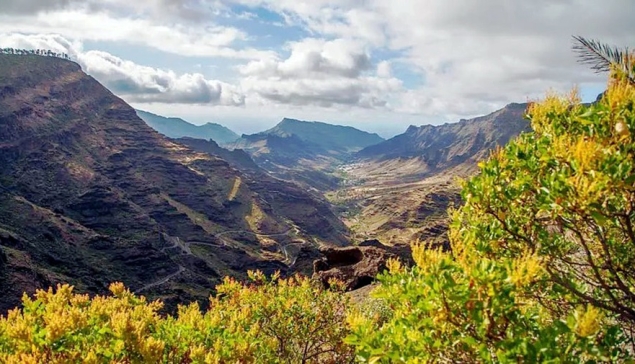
(268,321)
(543,260)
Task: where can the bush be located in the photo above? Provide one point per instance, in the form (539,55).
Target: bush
(269,321)
(543,261)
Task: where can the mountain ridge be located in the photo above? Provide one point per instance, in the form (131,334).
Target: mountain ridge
(454,142)
(174,127)
(325,135)
(91,195)
(305,152)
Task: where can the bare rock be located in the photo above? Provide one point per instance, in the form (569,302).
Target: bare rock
(357,266)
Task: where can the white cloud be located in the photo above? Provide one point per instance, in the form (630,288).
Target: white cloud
(322,73)
(434,59)
(135,83)
(314,58)
(138,83)
(203,40)
(53,42)
(473,55)
(384,69)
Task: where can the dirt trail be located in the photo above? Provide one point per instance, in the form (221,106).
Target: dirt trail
(162,280)
(185,248)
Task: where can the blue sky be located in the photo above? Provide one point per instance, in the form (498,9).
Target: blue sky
(376,65)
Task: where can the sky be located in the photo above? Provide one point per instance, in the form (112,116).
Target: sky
(377,65)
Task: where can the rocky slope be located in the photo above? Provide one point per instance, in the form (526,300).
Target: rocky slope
(399,190)
(306,152)
(90,194)
(435,148)
(178,128)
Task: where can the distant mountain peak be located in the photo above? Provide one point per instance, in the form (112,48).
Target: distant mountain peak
(411,129)
(323,133)
(177,128)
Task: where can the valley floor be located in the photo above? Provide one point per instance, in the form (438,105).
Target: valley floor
(391,202)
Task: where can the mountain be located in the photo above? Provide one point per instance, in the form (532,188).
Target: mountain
(334,138)
(178,128)
(399,190)
(306,152)
(89,194)
(440,147)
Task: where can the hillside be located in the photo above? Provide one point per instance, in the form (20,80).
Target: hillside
(178,128)
(237,158)
(306,152)
(449,145)
(91,194)
(399,190)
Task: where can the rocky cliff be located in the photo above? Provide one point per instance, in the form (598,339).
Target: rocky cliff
(438,147)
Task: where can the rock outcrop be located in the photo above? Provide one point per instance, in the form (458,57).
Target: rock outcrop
(357,266)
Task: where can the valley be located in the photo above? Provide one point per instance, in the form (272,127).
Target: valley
(380,205)
(317,182)
(92,195)
(170,215)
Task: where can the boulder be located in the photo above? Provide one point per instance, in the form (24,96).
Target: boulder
(357,266)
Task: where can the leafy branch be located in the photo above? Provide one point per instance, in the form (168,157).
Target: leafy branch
(604,58)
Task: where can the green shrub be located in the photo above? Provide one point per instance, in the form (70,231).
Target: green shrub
(270,321)
(543,261)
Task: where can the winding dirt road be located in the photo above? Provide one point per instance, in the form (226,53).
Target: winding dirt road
(185,248)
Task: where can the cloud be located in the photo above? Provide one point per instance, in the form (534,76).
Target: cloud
(195,11)
(34,6)
(52,42)
(319,72)
(315,58)
(201,40)
(135,83)
(473,56)
(434,59)
(143,84)
(189,10)
(384,69)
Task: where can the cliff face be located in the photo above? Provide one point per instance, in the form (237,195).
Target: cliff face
(89,194)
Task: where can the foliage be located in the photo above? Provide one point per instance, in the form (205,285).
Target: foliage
(543,261)
(269,321)
(456,309)
(566,194)
(604,58)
